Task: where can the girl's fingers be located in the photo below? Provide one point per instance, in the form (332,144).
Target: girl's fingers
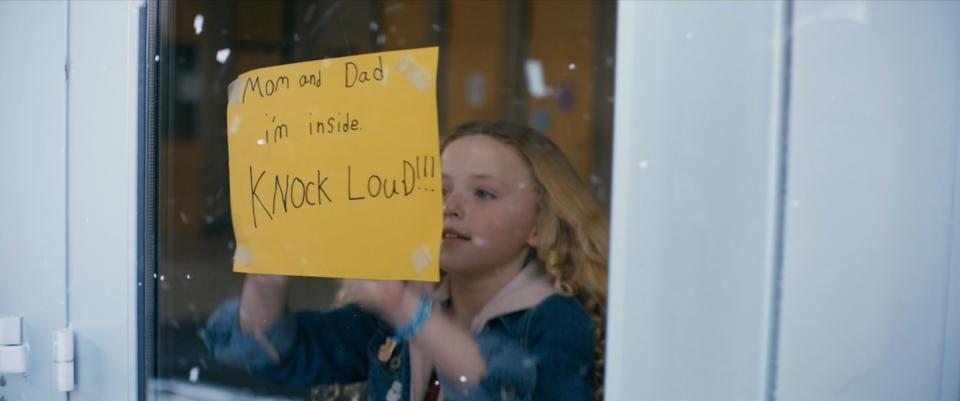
(266,279)
(377,295)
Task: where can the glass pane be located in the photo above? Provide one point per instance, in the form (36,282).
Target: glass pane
(548,65)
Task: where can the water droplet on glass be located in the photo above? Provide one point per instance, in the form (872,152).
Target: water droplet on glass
(795,203)
(188,276)
(571,66)
(223,55)
(536,83)
(183,217)
(194,374)
(436,27)
(208,218)
(381,39)
(156,58)
(642,164)
(463,379)
(154,275)
(261,141)
(161,277)
(374,26)
(296,37)
(198,23)
(476,93)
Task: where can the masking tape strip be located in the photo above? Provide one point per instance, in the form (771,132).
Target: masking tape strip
(243,255)
(420,259)
(234,91)
(234,125)
(417,75)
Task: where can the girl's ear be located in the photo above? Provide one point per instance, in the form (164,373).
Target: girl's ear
(534,238)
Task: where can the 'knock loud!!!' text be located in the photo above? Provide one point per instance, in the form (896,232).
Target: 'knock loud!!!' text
(290,192)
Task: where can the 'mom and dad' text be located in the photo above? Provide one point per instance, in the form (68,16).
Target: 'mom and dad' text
(353,76)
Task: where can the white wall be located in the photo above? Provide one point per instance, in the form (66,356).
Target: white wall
(871,215)
(786,212)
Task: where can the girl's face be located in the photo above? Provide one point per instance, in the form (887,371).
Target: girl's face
(490,205)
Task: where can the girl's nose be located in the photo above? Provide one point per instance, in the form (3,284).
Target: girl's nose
(453,205)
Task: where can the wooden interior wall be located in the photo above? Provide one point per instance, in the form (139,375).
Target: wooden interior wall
(475,67)
(405,24)
(561,37)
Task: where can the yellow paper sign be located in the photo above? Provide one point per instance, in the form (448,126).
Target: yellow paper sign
(334,167)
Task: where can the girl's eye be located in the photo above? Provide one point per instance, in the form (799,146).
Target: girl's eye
(484,194)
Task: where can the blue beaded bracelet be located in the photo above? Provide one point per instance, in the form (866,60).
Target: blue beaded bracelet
(416,322)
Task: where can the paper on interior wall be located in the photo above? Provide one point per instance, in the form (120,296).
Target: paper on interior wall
(335,169)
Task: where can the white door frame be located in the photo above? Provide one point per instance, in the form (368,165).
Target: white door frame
(103,134)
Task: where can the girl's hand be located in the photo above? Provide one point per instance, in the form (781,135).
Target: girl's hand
(268,282)
(263,301)
(385,298)
(451,348)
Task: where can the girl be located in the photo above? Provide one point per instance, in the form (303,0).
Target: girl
(518,315)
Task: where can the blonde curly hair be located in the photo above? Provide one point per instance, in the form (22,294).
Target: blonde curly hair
(572,228)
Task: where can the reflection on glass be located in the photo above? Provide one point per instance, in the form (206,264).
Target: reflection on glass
(548,65)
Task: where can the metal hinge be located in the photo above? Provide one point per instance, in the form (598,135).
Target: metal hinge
(63,366)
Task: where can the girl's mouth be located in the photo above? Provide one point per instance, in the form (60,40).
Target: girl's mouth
(449,234)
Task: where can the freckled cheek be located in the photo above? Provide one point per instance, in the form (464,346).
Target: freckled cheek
(480,242)
(506,222)
(510,226)
(520,214)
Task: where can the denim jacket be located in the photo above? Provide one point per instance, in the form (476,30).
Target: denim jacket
(538,346)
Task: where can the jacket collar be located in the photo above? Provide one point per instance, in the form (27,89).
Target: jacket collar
(527,289)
